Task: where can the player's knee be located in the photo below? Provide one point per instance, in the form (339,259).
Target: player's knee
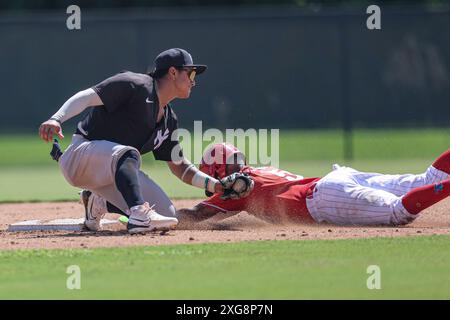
(168,211)
(127,168)
(131,155)
(129,161)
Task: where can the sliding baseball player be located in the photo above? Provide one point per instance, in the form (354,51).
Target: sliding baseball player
(345,196)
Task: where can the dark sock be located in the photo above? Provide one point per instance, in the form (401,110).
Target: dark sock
(127,180)
(443,162)
(113,209)
(421,198)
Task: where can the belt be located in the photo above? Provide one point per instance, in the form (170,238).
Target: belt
(310,191)
(311,204)
(78,132)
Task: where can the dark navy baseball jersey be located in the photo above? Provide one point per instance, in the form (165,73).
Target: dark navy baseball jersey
(129,116)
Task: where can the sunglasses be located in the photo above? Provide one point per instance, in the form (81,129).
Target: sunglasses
(190,72)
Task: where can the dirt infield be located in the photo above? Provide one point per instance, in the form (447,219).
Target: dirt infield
(241,227)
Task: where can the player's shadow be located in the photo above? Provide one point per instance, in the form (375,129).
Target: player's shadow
(210,226)
(77,234)
(124,232)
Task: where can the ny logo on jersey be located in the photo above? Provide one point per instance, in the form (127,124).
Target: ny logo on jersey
(160,138)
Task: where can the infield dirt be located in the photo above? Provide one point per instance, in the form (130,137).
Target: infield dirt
(242,227)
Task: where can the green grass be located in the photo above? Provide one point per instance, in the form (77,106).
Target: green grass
(28,174)
(411,268)
(368,144)
(46,183)
(295,145)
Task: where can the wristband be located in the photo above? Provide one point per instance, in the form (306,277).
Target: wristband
(203,181)
(206,183)
(185,171)
(57,120)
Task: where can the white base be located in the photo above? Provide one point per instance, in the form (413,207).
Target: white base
(55,225)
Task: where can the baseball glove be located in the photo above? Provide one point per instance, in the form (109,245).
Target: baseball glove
(237,185)
(56,152)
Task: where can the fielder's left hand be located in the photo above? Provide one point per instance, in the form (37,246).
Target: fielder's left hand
(49,128)
(237,185)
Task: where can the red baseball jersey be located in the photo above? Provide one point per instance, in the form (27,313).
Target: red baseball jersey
(278,196)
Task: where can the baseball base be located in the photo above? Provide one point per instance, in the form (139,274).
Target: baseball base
(53,225)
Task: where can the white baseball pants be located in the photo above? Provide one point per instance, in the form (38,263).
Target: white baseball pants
(349,197)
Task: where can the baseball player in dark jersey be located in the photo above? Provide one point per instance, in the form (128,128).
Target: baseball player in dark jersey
(131,116)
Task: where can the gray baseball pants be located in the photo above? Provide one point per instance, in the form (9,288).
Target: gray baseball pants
(92,165)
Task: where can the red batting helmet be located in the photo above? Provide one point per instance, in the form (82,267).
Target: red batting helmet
(217,156)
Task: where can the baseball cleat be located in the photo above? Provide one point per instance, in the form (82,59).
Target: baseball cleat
(94,209)
(144,219)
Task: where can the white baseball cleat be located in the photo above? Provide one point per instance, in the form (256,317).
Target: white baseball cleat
(144,219)
(94,209)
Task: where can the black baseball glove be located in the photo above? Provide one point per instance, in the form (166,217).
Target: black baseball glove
(56,152)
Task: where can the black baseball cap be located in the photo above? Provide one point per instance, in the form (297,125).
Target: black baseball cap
(176,57)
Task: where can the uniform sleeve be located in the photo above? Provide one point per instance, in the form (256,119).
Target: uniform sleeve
(115,91)
(164,152)
(225,205)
